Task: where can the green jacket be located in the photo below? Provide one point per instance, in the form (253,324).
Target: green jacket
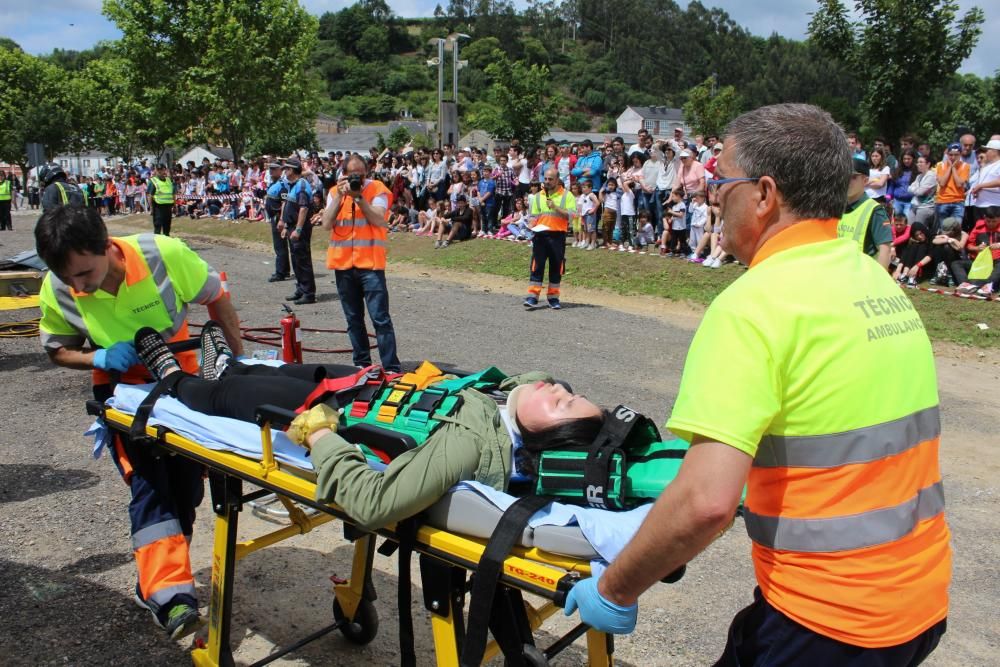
(471,445)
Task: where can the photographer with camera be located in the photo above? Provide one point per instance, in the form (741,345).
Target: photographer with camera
(356,214)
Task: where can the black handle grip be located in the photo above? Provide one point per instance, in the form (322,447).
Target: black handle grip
(278,417)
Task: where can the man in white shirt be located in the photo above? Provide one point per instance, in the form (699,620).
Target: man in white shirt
(986,191)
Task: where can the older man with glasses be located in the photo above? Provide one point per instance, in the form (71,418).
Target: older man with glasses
(785,392)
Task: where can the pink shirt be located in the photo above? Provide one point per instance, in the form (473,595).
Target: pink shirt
(691,177)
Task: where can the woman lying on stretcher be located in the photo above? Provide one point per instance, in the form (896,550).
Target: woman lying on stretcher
(475,443)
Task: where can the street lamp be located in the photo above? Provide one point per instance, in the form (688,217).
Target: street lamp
(453,38)
(439,61)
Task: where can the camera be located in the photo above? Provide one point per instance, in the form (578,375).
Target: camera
(354,182)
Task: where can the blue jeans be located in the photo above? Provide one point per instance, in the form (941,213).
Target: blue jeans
(358,288)
(901,207)
(947,211)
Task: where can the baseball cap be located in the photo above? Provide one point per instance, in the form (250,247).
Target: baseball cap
(294,163)
(949,224)
(859,166)
(687,153)
(993,144)
(274,165)
(718,146)
(955,147)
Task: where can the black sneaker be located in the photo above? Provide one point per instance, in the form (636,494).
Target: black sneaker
(304,300)
(215,351)
(293,297)
(178,619)
(155,354)
(276,278)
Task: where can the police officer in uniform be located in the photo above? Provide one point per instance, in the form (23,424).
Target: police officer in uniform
(160,191)
(6,195)
(277,191)
(57,190)
(295,227)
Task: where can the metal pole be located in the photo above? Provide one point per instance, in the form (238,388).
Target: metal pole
(454,71)
(440,127)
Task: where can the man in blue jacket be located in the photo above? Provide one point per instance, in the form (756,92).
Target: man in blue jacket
(589,165)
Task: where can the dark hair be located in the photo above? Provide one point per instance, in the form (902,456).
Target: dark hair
(65,229)
(992,212)
(570,433)
(901,168)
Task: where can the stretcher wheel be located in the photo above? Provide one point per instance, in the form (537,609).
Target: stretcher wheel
(363,628)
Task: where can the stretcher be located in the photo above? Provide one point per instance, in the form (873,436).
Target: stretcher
(450,541)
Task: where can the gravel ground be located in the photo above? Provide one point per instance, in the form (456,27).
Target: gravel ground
(67,574)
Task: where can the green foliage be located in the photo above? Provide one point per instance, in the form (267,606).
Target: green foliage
(577,121)
(42,104)
(10,45)
(398,138)
(521,107)
(240,63)
(896,68)
(708,110)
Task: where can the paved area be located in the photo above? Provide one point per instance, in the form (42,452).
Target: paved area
(66,575)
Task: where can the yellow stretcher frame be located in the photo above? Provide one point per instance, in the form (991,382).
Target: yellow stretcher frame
(442,553)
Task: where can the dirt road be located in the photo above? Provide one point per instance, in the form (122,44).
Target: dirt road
(66,575)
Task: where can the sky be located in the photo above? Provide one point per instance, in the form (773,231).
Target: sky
(42,25)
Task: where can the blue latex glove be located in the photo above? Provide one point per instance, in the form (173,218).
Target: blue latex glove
(119,357)
(599,612)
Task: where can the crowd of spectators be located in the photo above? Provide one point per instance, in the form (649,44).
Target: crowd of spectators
(653,196)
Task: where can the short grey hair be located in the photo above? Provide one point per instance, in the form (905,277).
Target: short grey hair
(802,149)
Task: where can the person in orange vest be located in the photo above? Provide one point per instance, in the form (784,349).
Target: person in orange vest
(99,292)
(356,215)
(784,391)
(550,211)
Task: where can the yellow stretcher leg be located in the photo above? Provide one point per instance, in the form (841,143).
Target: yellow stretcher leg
(599,648)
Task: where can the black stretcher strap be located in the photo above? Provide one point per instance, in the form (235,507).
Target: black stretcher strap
(406,532)
(164,386)
(505,536)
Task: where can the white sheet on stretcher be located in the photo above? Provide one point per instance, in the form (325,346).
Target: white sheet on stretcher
(607,531)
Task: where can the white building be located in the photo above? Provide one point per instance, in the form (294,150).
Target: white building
(660,121)
(197,153)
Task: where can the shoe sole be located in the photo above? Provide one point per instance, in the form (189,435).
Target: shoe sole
(188,626)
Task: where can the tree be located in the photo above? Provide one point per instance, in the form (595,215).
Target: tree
(708,111)
(116,118)
(576,122)
(892,64)
(520,107)
(398,138)
(40,104)
(230,68)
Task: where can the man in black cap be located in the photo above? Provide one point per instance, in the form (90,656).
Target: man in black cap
(277,191)
(298,230)
(865,221)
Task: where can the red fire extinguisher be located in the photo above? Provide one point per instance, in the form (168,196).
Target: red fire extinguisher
(291,347)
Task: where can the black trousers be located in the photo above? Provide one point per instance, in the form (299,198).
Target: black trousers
(547,247)
(161,218)
(761,636)
(5,220)
(302,263)
(282,263)
(244,387)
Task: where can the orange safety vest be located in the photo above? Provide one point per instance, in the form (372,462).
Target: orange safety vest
(355,243)
(556,222)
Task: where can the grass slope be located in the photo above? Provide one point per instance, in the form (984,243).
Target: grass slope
(946,318)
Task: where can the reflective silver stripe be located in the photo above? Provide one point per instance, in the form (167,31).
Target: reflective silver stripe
(165,288)
(163,596)
(352,222)
(67,304)
(844,533)
(156,532)
(208,292)
(52,341)
(861,445)
(358,243)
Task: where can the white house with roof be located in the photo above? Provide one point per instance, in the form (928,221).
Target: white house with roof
(658,120)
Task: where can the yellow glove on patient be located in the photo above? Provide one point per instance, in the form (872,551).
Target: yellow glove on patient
(316,418)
